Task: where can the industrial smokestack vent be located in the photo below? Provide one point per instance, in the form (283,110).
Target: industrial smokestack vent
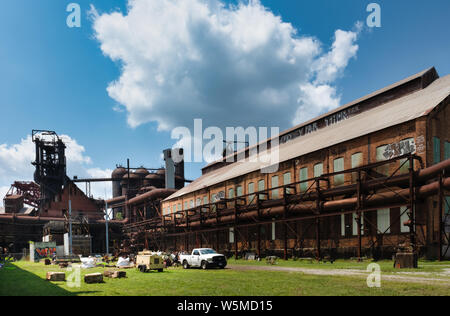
(174,159)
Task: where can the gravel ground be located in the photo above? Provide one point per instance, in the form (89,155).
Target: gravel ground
(404,277)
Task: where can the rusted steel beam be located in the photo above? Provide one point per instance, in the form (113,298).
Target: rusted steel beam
(412,202)
(258,248)
(385,199)
(285,236)
(235,234)
(359,214)
(318,241)
(152,195)
(300,208)
(318,211)
(440,210)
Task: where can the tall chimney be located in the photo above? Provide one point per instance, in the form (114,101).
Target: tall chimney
(170,169)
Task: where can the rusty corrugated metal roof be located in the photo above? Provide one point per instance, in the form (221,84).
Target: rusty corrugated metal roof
(395,112)
(345,106)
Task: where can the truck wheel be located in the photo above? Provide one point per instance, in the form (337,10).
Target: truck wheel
(185,264)
(204,265)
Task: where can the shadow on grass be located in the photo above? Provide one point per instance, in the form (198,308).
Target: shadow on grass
(15,281)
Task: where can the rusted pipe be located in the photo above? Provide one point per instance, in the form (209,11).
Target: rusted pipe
(376,200)
(421,176)
(152,195)
(115,200)
(433,171)
(30,218)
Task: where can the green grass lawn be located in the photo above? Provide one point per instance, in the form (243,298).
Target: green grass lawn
(25,278)
(387,266)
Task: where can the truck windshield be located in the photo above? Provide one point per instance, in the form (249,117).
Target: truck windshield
(207,251)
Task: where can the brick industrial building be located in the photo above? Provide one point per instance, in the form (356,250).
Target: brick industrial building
(366,179)
(344,185)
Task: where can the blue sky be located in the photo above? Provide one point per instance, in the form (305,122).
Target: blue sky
(53,77)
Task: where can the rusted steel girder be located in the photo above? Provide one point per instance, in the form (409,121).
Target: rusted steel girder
(376,200)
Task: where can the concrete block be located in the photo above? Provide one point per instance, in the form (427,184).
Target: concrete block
(93,278)
(56,276)
(405,260)
(115,274)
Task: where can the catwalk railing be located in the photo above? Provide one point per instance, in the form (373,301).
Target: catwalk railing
(370,190)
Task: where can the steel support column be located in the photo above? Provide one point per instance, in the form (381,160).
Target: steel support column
(235,232)
(440,209)
(236,250)
(285,234)
(412,234)
(217,240)
(318,250)
(258,247)
(358,216)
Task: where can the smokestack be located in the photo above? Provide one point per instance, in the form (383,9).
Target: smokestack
(178,158)
(170,169)
(174,159)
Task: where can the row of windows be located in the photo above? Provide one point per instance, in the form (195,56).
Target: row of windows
(231,233)
(357,160)
(338,164)
(383,222)
(437,150)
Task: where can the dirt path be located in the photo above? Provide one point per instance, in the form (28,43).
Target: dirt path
(345,272)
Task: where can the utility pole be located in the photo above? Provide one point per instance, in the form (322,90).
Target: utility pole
(70,224)
(107,230)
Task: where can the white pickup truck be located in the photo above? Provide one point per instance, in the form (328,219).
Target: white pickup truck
(204,258)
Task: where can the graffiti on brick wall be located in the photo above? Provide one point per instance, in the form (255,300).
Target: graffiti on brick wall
(44,250)
(401,148)
(420,144)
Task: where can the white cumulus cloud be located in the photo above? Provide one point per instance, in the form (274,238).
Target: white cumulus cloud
(231,65)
